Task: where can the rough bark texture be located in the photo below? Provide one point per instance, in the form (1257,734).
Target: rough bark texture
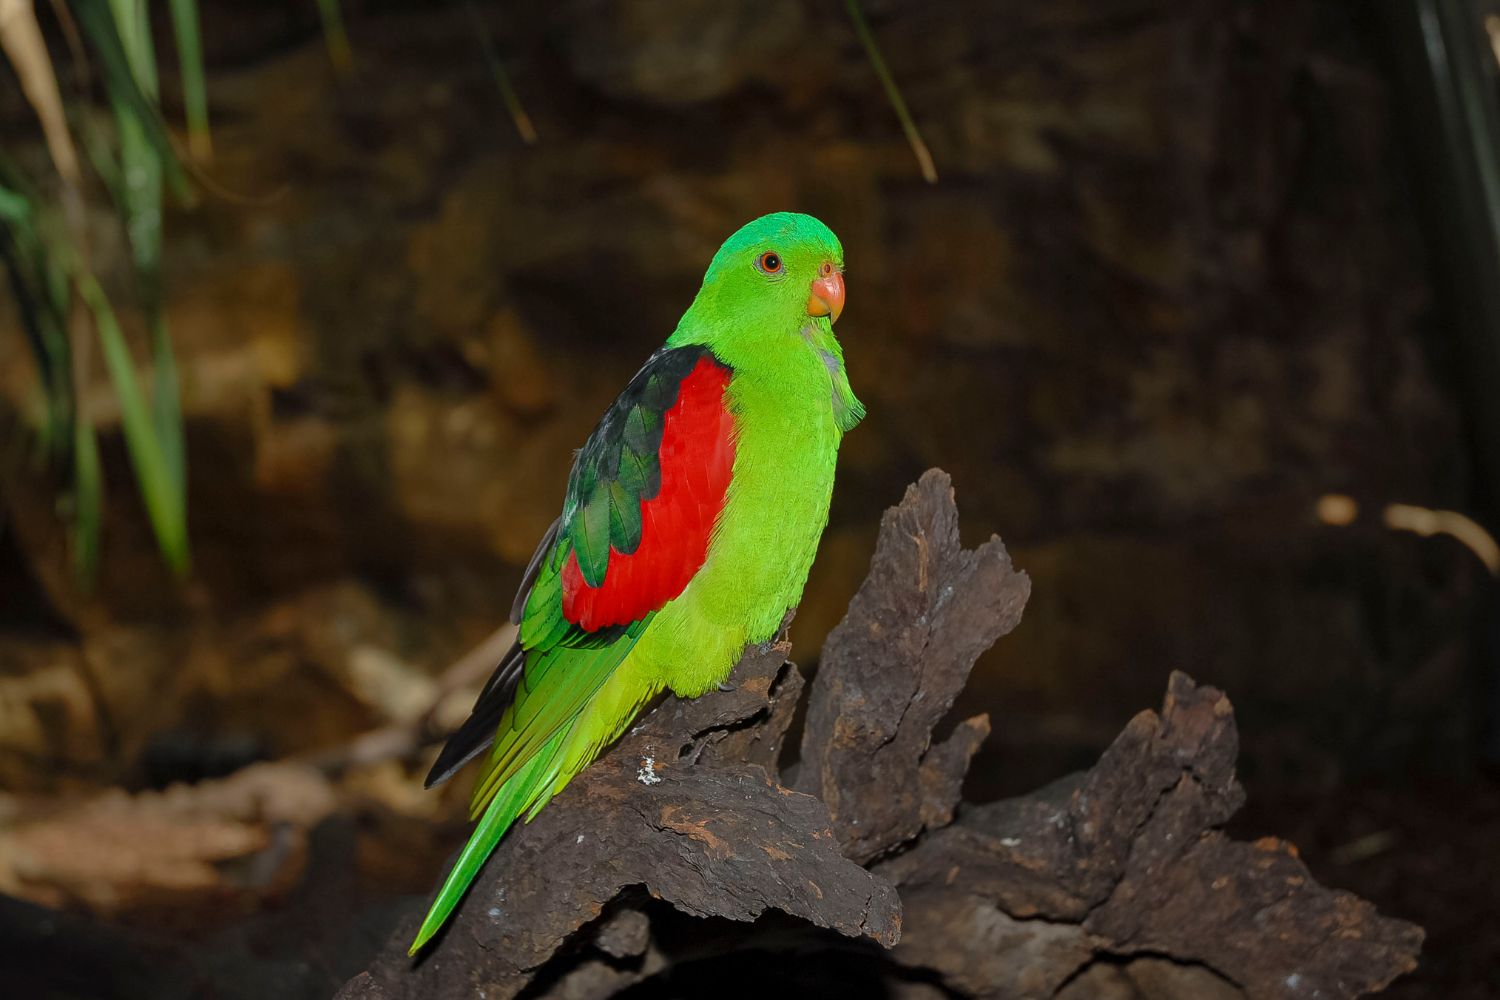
(894,665)
(1020,898)
(1115,882)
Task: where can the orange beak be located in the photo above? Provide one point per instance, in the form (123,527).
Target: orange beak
(826,297)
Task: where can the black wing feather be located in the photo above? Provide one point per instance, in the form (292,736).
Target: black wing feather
(478,731)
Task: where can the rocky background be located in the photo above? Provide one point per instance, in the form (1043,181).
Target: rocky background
(1169,290)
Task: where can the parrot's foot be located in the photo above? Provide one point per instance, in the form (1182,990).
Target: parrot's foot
(725,686)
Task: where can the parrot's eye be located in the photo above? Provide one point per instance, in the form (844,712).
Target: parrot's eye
(826,269)
(769,262)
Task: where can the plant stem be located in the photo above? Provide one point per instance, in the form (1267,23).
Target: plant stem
(892,92)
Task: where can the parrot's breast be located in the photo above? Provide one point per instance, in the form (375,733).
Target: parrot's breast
(766,535)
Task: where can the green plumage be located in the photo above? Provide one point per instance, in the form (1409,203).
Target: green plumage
(791,403)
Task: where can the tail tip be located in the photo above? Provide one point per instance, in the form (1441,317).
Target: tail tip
(424,935)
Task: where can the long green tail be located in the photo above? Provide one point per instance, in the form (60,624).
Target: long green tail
(513,798)
(553,729)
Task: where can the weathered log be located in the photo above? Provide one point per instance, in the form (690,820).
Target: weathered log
(1117,881)
(666,810)
(893,667)
(1021,898)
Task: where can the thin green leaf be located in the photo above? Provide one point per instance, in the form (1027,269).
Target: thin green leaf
(166,408)
(140,197)
(133,25)
(334,35)
(120,82)
(14,206)
(194,86)
(41,308)
(98,141)
(892,92)
(165,503)
(88,502)
(140,190)
(502,78)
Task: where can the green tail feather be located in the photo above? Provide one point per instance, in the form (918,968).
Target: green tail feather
(514,797)
(531,760)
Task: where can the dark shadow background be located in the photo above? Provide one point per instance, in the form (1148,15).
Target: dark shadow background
(1187,269)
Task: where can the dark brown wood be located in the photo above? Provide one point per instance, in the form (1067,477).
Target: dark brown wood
(1115,879)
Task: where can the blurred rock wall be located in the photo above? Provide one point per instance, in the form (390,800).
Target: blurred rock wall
(1166,293)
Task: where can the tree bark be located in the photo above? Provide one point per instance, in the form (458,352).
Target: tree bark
(1114,882)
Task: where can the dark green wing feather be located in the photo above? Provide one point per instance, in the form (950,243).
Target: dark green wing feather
(612,474)
(618,469)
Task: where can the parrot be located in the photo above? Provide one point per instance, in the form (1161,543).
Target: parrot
(689,524)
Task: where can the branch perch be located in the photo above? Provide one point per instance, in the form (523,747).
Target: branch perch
(1120,875)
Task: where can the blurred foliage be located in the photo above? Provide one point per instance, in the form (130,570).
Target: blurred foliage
(892,91)
(334,35)
(130,154)
(501,76)
(63,307)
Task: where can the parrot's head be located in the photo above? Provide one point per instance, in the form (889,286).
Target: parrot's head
(769,280)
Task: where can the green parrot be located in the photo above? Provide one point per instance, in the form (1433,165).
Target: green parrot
(690,522)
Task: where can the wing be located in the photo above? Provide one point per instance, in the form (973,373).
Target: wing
(646,491)
(641,503)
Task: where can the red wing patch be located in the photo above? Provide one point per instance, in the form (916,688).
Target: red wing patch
(696,460)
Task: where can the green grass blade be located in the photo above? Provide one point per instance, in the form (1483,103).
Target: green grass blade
(133,25)
(502,78)
(892,92)
(166,410)
(140,191)
(88,502)
(165,504)
(140,197)
(334,35)
(117,69)
(41,306)
(15,207)
(194,87)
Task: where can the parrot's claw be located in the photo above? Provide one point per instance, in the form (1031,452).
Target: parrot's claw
(725,686)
